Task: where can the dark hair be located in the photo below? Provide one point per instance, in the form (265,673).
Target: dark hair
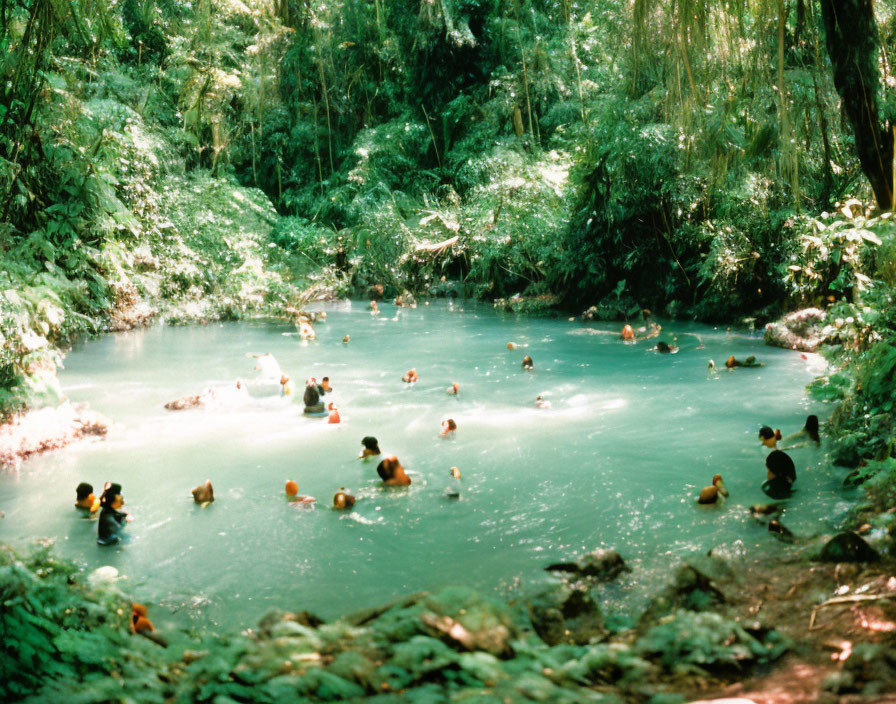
(780,465)
(311,396)
(662,347)
(527,361)
(767,433)
(811,429)
(370,443)
(451,424)
(386,468)
(326,378)
(110,491)
(83,490)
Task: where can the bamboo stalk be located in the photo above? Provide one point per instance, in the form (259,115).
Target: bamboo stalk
(432,136)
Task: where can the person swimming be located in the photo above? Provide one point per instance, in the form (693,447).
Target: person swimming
(448,427)
(334,414)
(374,308)
(628,333)
(313,404)
(665,348)
(410,376)
(85,500)
(781,475)
(750,361)
(204,494)
(371,447)
(711,494)
(392,473)
(528,364)
(541,402)
(453,390)
(769,437)
(287,385)
(293,496)
(345,340)
(112,520)
(808,434)
(342,500)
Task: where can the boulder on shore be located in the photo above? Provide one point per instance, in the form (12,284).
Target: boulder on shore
(800,330)
(48,429)
(601,564)
(848,547)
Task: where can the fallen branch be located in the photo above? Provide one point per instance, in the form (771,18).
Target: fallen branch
(846,600)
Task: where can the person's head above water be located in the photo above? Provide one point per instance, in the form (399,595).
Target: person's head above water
(769,437)
(111,497)
(204,493)
(627,332)
(811,429)
(342,500)
(370,443)
(392,473)
(528,363)
(292,489)
(448,426)
(663,347)
(83,491)
(780,466)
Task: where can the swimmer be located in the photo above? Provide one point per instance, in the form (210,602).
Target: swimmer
(808,434)
(342,500)
(325,385)
(781,475)
(186,402)
(528,364)
(84,498)
(374,308)
(287,385)
(204,494)
(760,511)
(769,437)
(313,404)
(731,362)
(750,361)
(628,334)
(711,365)
(305,330)
(455,472)
(345,340)
(711,494)
(392,473)
(542,403)
(293,496)
(511,345)
(371,447)
(448,427)
(453,389)
(334,414)
(410,376)
(781,531)
(664,348)
(112,520)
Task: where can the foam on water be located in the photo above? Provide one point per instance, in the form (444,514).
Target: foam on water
(616,461)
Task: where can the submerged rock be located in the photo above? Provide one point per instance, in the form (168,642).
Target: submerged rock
(602,565)
(848,547)
(564,615)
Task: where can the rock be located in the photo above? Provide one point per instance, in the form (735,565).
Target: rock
(467,621)
(275,617)
(801,330)
(103,575)
(602,565)
(564,615)
(848,547)
(695,587)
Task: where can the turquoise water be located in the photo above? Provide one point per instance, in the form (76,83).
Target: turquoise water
(616,461)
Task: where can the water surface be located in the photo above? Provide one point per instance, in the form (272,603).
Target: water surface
(616,461)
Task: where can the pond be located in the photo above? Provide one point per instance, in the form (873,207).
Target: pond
(616,461)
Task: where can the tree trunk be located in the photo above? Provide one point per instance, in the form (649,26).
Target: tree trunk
(852,41)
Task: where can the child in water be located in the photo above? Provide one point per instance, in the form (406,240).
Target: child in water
(112,520)
(453,389)
(342,500)
(769,437)
(85,500)
(204,494)
(410,376)
(711,494)
(392,473)
(448,427)
(371,447)
(293,496)
(528,364)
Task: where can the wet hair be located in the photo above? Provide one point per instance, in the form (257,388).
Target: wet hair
(780,465)
(83,490)
(326,378)
(311,396)
(386,468)
(110,491)
(451,424)
(811,429)
(370,443)
(527,362)
(663,347)
(766,433)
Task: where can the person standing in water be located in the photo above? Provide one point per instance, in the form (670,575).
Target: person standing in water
(392,473)
(85,500)
(781,475)
(808,434)
(528,364)
(371,447)
(769,437)
(112,520)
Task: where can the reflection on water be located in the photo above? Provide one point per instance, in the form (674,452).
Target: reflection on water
(616,461)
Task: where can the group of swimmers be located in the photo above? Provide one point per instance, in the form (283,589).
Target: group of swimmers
(780,472)
(111,518)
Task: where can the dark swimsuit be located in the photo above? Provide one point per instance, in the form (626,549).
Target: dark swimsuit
(777,488)
(111,522)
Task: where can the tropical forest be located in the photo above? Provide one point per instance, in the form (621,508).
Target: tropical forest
(610,282)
